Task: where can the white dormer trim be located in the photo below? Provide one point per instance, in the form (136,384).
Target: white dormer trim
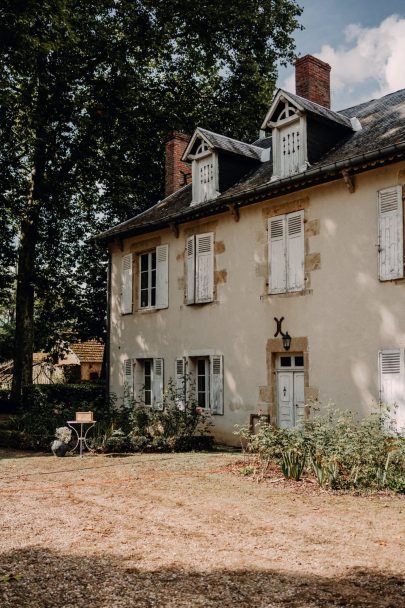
(289,137)
(280,96)
(205,182)
(196,135)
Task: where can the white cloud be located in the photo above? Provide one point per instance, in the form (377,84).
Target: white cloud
(370,63)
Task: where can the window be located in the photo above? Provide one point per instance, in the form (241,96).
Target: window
(392,383)
(203,375)
(286,253)
(203,379)
(390,234)
(143,381)
(205,175)
(200,268)
(153,278)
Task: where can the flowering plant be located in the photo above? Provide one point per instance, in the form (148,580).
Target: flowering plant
(64,434)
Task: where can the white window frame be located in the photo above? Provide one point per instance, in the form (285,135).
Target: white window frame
(203,156)
(149,256)
(134,378)
(161,278)
(214,379)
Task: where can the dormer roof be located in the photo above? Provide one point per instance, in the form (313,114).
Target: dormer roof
(304,105)
(215,141)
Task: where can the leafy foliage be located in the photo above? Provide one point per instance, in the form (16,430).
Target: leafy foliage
(89,90)
(340,450)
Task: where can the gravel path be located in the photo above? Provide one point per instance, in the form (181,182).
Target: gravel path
(184,531)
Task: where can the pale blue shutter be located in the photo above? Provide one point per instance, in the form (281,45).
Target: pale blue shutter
(217,384)
(204,267)
(158,383)
(295,251)
(277,254)
(126,284)
(390,233)
(162,276)
(190,270)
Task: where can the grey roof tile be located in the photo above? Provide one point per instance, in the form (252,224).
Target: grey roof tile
(231,145)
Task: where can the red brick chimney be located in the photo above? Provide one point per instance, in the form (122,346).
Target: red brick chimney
(312,80)
(177,173)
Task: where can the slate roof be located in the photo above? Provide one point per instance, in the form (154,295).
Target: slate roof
(383,126)
(91,351)
(231,145)
(315,108)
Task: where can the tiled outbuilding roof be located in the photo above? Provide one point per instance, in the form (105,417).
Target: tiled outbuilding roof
(91,351)
(382,133)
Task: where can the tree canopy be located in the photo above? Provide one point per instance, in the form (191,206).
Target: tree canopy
(89,90)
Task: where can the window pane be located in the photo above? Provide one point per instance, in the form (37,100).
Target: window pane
(144,280)
(201,384)
(285,361)
(153,297)
(144,262)
(201,400)
(153,278)
(299,361)
(148,397)
(201,367)
(153,256)
(144,298)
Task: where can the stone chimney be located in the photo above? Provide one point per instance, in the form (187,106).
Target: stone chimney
(177,173)
(312,80)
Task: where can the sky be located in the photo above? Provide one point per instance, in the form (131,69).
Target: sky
(362,40)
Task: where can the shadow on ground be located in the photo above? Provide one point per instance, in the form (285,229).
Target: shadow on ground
(51,579)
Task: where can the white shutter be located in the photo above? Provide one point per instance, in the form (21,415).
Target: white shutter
(128,381)
(217,384)
(162,276)
(285,387)
(126,284)
(289,150)
(390,234)
(158,384)
(277,254)
(392,382)
(180,378)
(204,267)
(190,269)
(295,251)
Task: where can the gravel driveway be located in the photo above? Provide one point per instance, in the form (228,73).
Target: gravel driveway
(187,531)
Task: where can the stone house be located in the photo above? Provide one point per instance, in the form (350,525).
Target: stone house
(275,276)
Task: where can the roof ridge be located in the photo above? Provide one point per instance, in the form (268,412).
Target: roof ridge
(238,141)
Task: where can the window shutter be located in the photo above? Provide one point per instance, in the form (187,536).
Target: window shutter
(158,384)
(204,267)
(162,276)
(126,284)
(277,254)
(128,381)
(190,269)
(392,382)
(180,376)
(390,234)
(217,384)
(295,251)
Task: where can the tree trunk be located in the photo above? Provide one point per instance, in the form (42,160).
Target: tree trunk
(25,292)
(24,318)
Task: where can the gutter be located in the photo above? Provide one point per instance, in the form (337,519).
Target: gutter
(254,195)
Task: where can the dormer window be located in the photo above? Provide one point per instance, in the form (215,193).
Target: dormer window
(288,135)
(205,174)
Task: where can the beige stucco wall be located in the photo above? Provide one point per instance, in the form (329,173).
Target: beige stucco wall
(345,314)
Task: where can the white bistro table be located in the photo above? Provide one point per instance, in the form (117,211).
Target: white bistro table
(81,433)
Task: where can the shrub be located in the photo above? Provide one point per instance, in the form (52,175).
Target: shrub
(340,450)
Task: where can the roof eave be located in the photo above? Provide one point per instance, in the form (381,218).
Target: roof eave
(313,176)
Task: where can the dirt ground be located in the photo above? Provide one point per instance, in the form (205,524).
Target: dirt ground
(186,531)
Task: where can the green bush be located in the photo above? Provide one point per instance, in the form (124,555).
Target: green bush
(48,406)
(341,451)
(178,427)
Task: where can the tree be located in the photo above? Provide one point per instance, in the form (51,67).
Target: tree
(88,91)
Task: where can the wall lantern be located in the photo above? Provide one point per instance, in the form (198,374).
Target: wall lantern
(285,336)
(286,341)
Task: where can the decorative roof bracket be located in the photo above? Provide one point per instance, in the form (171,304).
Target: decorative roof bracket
(175,229)
(349,180)
(234,210)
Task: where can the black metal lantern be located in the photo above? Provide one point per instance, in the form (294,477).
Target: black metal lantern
(286,341)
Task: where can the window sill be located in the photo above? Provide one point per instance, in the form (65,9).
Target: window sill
(145,311)
(288,294)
